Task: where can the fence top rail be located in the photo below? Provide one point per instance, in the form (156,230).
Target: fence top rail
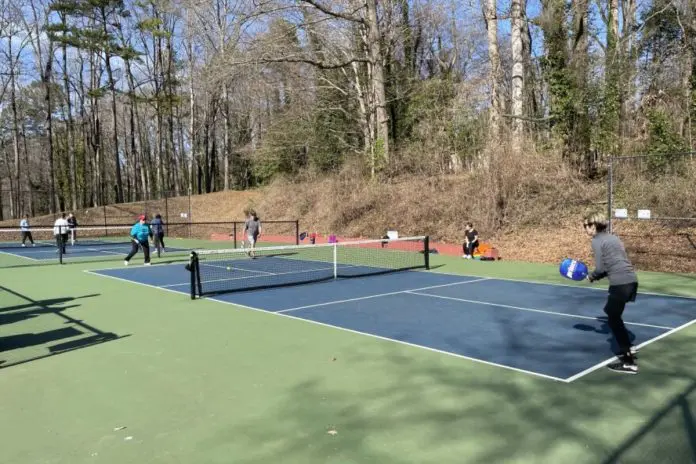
(194,223)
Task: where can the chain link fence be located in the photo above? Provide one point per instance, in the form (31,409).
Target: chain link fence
(652,206)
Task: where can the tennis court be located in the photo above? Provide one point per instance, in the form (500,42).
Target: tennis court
(553,331)
(419,365)
(91,242)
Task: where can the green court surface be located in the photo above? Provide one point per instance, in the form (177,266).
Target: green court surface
(96,370)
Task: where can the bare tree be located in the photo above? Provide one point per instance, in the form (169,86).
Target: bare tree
(490,15)
(518,73)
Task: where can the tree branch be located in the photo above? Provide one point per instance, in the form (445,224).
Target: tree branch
(336,14)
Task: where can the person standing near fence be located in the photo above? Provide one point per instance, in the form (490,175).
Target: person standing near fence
(139,234)
(158,231)
(252,229)
(60,232)
(26,231)
(72,226)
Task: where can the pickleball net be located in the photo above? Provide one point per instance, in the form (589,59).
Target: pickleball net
(232,270)
(78,237)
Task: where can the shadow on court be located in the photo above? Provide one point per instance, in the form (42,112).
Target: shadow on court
(460,410)
(680,409)
(605,329)
(51,338)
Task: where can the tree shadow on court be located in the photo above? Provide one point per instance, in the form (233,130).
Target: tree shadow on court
(606,330)
(35,308)
(388,403)
(42,306)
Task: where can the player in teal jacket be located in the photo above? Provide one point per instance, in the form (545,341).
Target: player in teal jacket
(140,234)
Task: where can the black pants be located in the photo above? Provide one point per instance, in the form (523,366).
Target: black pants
(27,235)
(469,248)
(619,295)
(61,240)
(159,237)
(134,250)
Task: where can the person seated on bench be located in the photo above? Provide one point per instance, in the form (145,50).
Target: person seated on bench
(471,242)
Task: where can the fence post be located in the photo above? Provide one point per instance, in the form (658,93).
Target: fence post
(106,229)
(166,213)
(190,219)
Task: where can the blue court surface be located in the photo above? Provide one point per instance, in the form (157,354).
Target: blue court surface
(85,249)
(553,331)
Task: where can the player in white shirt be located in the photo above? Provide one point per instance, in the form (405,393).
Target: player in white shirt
(61,232)
(26,231)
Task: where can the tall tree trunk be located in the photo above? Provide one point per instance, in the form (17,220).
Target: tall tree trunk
(192,103)
(494,74)
(518,20)
(580,141)
(45,69)
(70,130)
(629,66)
(95,137)
(86,180)
(15,133)
(114,128)
(171,91)
(380,151)
(133,122)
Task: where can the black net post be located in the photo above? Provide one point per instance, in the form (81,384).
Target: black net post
(426,251)
(193,269)
(297,232)
(60,244)
(234,234)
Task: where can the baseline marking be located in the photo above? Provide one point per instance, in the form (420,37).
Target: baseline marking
(520,308)
(614,358)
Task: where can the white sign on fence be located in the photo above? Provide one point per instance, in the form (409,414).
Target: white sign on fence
(184,215)
(621,213)
(643,214)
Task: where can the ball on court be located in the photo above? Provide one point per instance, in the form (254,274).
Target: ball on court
(229,268)
(573,269)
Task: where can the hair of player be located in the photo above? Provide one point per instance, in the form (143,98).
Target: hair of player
(599,220)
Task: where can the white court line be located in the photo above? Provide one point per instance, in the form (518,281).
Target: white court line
(520,308)
(356,332)
(133,281)
(379,295)
(476,360)
(393,340)
(555,284)
(19,256)
(614,358)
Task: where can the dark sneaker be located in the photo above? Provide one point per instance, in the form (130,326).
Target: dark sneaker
(624,367)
